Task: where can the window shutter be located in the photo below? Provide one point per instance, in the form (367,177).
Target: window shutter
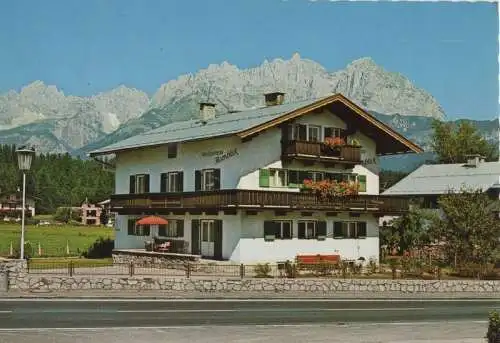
(197,180)
(218,236)
(146,231)
(195,236)
(301,231)
(180,181)
(216,178)
(146,183)
(264,178)
(321,228)
(269,228)
(337,230)
(362,183)
(180,228)
(162,230)
(131,227)
(361,229)
(132,184)
(163,182)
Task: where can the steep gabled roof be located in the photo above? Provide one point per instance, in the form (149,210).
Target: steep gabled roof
(436,179)
(251,122)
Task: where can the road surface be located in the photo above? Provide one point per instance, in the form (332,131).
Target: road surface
(237,320)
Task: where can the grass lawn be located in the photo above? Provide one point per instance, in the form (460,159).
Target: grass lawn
(62,262)
(52,238)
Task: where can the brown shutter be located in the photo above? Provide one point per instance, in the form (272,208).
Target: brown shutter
(217,178)
(146,183)
(180,181)
(180,228)
(163,182)
(197,180)
(132,184)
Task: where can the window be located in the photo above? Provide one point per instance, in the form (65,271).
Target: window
(311,229)
(278,178)
(297,132)
(316,176)
(275,177)
(137,230)
(172,150)
(171,182)
(313,133)
(280,229)
(207,180)
(332,132)
(349,230)
(139,184)
(174,228)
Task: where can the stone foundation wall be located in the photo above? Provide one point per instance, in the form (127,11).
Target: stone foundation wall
(38,283)
(14,271)
(151,258)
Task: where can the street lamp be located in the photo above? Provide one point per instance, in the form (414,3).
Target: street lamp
(24,158)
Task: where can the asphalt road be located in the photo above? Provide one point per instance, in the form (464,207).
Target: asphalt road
(136,313)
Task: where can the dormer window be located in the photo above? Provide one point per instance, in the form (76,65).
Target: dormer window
(172,150)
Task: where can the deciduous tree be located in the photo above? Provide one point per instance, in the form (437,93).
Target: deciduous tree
(453,142)
(468,228)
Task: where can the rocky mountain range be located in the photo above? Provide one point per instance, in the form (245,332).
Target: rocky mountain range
(43,116)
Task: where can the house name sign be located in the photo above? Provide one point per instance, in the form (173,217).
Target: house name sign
(221,155)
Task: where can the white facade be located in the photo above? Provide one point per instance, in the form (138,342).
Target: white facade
(242,234)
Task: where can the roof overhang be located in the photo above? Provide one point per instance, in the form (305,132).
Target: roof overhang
(389,141)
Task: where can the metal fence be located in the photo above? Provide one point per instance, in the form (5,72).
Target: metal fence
(191,270)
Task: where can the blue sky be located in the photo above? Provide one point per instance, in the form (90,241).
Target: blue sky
(88,46)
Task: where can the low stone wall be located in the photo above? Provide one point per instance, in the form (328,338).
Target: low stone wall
(15,272)
(150,258)
(38,283)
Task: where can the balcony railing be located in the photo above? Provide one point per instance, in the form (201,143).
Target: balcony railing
(255,199)
(319,150)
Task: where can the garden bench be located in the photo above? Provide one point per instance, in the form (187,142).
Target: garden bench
(308,261)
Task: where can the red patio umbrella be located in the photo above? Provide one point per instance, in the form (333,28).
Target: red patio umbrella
(152,220)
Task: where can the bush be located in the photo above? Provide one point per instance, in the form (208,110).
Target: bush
(493,334)
(262,270)
(102,248)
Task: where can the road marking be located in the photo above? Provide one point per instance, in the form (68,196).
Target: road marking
(5,311)
(190,327)
(275,310)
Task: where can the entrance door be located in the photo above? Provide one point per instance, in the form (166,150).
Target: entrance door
(207,238)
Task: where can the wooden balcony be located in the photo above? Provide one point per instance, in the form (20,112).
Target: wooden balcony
(254,199)
(347,154)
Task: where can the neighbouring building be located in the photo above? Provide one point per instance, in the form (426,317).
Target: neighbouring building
(238,186)
(91,213)
(11,205)
(430,181)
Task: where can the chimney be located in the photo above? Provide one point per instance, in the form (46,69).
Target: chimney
(207,111)
(275,98)
(474,160)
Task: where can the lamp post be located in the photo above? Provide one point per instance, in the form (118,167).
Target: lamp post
(24,158)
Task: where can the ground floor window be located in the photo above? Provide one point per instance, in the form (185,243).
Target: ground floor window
(137,230)
(311,229)
(280,229)
(349,230)
(174,228)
